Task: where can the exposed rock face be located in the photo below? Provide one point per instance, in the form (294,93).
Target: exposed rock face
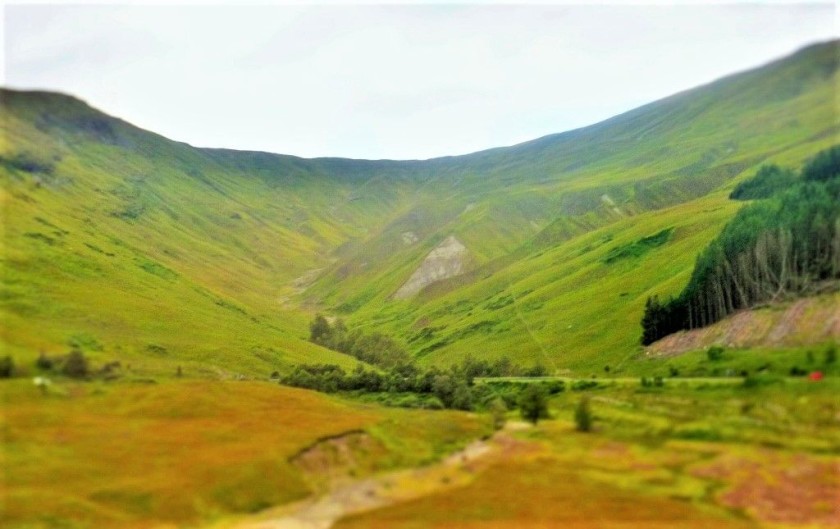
(449,259)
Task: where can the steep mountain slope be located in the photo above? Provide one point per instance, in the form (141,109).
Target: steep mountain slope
(553,188)
(572,296)
(161,254)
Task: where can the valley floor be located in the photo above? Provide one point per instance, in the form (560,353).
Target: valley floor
(691,453)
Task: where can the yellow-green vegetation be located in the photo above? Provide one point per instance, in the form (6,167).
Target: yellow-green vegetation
(680,455)
(137,271)
(145,455)
(159,255)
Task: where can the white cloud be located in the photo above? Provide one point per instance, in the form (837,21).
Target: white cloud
(388,81)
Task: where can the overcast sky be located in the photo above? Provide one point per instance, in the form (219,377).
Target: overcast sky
(388,81)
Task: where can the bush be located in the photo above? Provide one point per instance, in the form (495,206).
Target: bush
(319,329)
(756,381)
(462,398)
(7,367)
(698,433)
(44,362)
(538,370)
(583,385)
(830,355)
(443,388)
(556,386)
(796,371)
(583,416)
(533,403)
(714,353)
(75,365)
(498,410)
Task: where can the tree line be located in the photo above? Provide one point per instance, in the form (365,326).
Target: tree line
(787,244)
(399,380)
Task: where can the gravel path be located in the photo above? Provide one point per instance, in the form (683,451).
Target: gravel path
(378,491)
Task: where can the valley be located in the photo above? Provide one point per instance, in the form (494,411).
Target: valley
(220,339)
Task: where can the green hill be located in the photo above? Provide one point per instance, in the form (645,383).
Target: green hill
(159,254)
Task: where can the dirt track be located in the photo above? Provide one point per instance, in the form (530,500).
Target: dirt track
(385,489)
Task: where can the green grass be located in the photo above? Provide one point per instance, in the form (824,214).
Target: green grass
(138,241)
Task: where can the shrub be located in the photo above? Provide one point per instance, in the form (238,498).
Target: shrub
(462,397)
(755,381)
(319,329)
(533,403)
(556,386)
(75,365)
(498,409)
(538,370)
(583,385)
(698,433)
(583,416)
(830,355)
(443,388)
(7,367)
(796,371)
(44,362)
(434,403)
(714,353)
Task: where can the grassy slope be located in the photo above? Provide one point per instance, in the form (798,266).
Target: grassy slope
(177,453)
(559,302)
(659,155)
(164,254)
(140,243)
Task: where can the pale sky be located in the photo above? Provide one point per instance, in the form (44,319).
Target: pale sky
(388,81)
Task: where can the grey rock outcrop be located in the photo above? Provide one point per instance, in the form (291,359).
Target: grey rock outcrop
(449,259)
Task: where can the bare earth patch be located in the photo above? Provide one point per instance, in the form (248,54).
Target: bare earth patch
(807,321)
(778,487)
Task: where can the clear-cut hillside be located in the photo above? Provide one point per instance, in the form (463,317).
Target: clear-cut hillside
(162,254)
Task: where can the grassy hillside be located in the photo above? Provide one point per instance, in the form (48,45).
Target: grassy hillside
(159,254)
(571,297)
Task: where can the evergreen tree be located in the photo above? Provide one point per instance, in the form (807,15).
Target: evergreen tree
(533,403)
(785,245)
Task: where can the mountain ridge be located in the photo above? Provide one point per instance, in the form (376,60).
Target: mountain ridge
(153,226)
(811,48)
